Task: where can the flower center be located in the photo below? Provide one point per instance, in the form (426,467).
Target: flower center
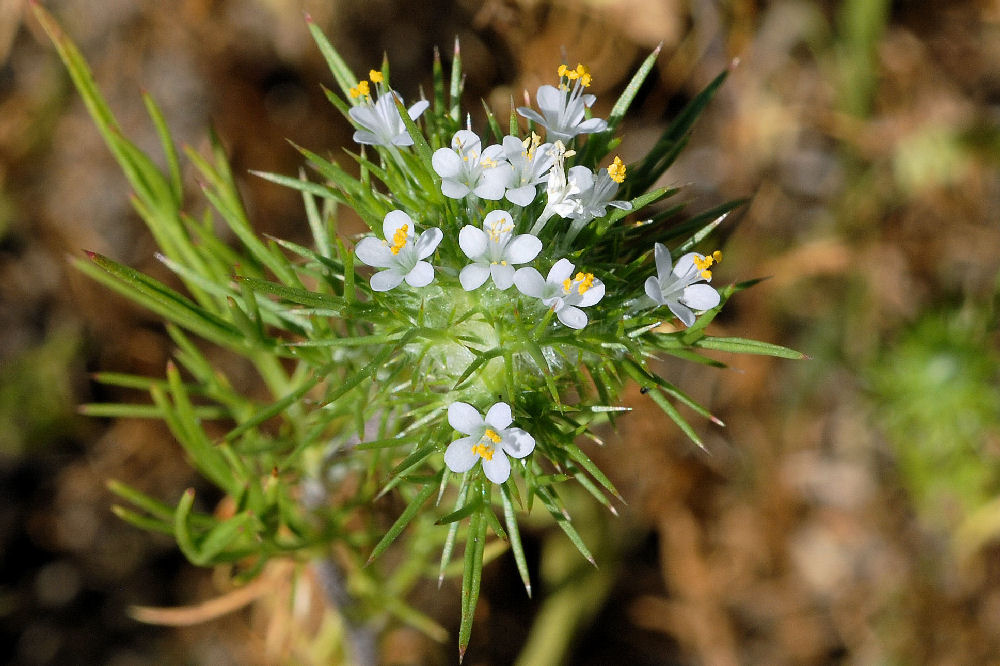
(399,239)
(703,263)
(497,229)
(485,449)
(617,170)
(581,282)
(530,145)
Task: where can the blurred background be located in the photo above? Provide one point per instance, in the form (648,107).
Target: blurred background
(849,512)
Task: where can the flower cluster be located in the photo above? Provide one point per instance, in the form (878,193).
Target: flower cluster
(513,283)
(513,175)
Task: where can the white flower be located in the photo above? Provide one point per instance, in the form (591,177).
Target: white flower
(403,258)
(382,123)
(595,199)
(681,289)
(493,250)
(563,107)
(490,439)
(561,292)
(530,162)
(465,168)
(563,190)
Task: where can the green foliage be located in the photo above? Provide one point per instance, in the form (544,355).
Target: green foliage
(361,381)
(938,394)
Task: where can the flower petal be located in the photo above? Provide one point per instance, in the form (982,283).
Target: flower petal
(459,456)
(523,249)
(682,311)
(466,141)
(653,290)
(531,114)
(472,240)
(403,139)
(517,442)
(363,115)
(492,187)
(560,271)
(550,100)
(512,146)
(498,469)
(446,162)
(418,108)
(473,276)
(685,268)
(503,276)
(393,222)
(366,138)
(464,418)
(374,252)
(529,282)
(522,196)
(499,416)
(591,125)
(663,261)
(592,295)
(386,280)
(700,297)
(572,317)
(421,275)
(428,242)
(454,189)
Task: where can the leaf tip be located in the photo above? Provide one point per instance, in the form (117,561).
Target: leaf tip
(93,256)
(733,64)
(717,421)
(308,17)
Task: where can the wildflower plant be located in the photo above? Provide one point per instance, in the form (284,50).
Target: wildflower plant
(429,359)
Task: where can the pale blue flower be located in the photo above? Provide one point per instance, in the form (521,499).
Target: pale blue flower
(490,439)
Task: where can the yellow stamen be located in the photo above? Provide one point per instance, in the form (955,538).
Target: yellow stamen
(617,170)
(586,281)
(361,89)
(399,239)
(488,163)
(375,76)
(567,285)
(497,229)
(581,74)
(703,263)
(491,435)
(484,451)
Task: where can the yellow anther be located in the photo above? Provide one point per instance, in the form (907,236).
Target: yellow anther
(399,239)
(617,170)
(703,263)
(567,285)
(563,69)
(497,229)
(488,163)
(583,73)
(585,280)
(491,435)
(361,89)
(484,451)
(375,76)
